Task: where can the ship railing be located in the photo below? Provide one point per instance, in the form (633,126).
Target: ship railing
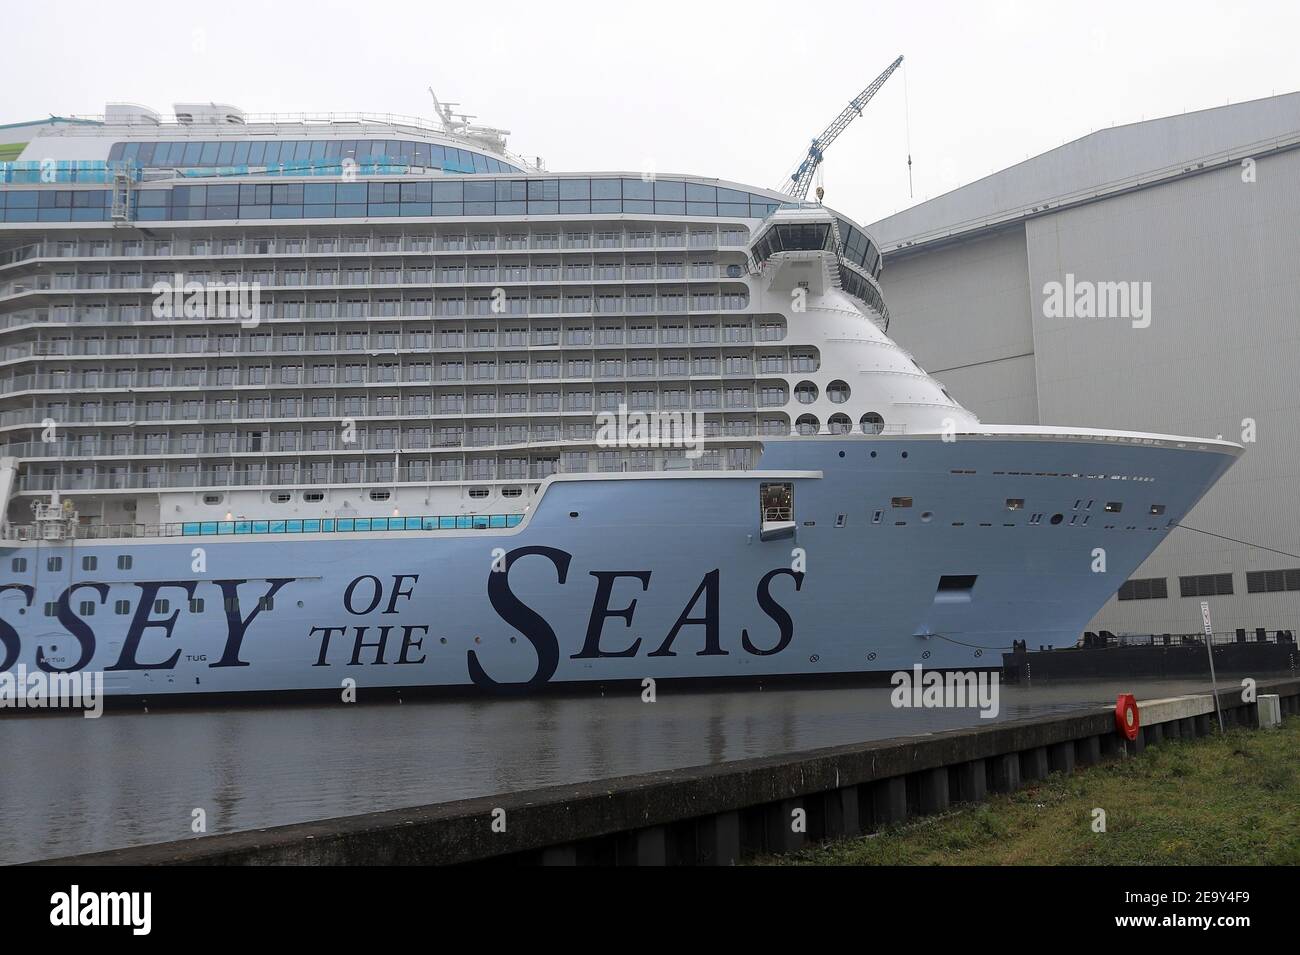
(377,472)
(777,514)
(241,527)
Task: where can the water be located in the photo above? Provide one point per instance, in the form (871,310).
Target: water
(71,785)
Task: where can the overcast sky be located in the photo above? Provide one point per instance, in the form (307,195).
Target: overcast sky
(710,87)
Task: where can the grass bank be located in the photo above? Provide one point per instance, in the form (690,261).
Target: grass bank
(1231,800)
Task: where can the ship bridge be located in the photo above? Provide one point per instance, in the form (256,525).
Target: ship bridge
(807,245)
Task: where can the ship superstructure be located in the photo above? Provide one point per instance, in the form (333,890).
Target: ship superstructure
(428,315)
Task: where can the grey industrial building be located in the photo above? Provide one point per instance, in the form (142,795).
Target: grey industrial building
(1205,207)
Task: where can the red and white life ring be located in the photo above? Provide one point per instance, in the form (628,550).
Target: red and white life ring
(1127,720)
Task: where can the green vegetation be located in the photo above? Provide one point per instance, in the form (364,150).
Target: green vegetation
(10,151)
(1231,800)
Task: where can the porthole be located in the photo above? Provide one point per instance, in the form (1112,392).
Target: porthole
(512,492)
(380,495)
(927,517)
(281,497)
(1057,518)
(838,392)
(839,424)
(478,492)
(807,424)
(872,423)
(805,392)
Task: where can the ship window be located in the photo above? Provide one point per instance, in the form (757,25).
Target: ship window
(838,392)
(380,495)
(122,607)
(281,497)
(875,517)
(54,563)
(957,582)
(124,561)
(776,502)
(212,498)
(1114,507)
(89,563)
(86,608)
(805,392)
(872,423)
(1157,509)
(1015,504)
(266,603)
(900,502)
(313,497)
(841,519)
(512,492)
(196,605)
(19,565)
(51,608)
(478,492)
(161,606)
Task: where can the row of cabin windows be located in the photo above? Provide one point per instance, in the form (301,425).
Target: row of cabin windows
(160,607)
(54,564)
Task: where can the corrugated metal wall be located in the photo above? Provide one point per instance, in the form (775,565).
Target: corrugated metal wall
(964,312)
(1222,257)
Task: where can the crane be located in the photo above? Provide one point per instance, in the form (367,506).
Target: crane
(802,177)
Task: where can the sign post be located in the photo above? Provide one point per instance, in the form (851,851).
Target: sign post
(1209,649)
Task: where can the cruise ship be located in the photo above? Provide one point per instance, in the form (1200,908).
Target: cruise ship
(292,403)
